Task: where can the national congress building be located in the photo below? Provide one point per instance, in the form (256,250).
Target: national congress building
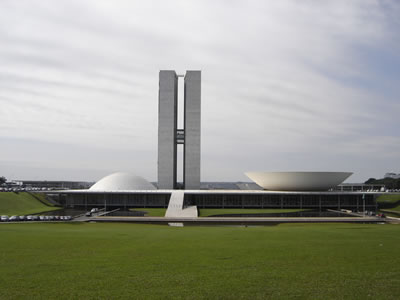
(317,190)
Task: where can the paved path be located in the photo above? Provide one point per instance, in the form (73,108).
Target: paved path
(244,221)
(99,213)
(393,220)
(176,207)
(355,214)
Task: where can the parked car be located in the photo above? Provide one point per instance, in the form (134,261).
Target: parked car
(14,219)
(67,218)
(93,210)
(4,218)
(29,218)
(42,218)
(22,218)
(88,214)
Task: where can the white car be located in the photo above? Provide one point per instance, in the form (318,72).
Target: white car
(4,218)
(13,219)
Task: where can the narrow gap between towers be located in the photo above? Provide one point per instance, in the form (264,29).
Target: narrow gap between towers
(180,124)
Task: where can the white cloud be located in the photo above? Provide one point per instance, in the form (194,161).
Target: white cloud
(286,84)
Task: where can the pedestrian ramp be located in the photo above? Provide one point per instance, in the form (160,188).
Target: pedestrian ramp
(176,208)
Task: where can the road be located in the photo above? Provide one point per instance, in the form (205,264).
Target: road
(234,221)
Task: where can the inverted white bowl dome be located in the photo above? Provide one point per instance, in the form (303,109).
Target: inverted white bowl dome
(298,181)
(122,181)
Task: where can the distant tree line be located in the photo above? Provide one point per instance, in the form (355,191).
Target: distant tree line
(390,183)
(2,180)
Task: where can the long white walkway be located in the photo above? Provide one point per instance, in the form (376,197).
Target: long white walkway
(177,210)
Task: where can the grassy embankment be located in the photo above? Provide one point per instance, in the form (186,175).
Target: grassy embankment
(389,203)
(206,212)
(24,203)
(151,212)
(115,261)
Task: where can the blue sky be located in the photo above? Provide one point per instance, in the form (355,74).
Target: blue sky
(286,85)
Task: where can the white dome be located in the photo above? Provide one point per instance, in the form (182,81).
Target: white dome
(122,181)
(298,181)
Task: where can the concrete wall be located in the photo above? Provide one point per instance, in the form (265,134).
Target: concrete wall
(192,119)
(167,124)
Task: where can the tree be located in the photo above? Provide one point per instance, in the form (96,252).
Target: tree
(371,181)
(390,183)
(2,180)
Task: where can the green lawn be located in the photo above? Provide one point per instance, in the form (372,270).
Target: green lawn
(206,212)
(23,203)
(389,203)
(152,212)
(114,261)
(393,212)
(388,213)
(396,208)
(388,199)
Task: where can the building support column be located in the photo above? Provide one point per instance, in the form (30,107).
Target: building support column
(320,204)
(357,203)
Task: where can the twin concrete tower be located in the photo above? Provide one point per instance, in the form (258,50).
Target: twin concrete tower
(169,135)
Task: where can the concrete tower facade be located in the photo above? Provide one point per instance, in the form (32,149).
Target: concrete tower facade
(192,119)
(167,123)
(169,136)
